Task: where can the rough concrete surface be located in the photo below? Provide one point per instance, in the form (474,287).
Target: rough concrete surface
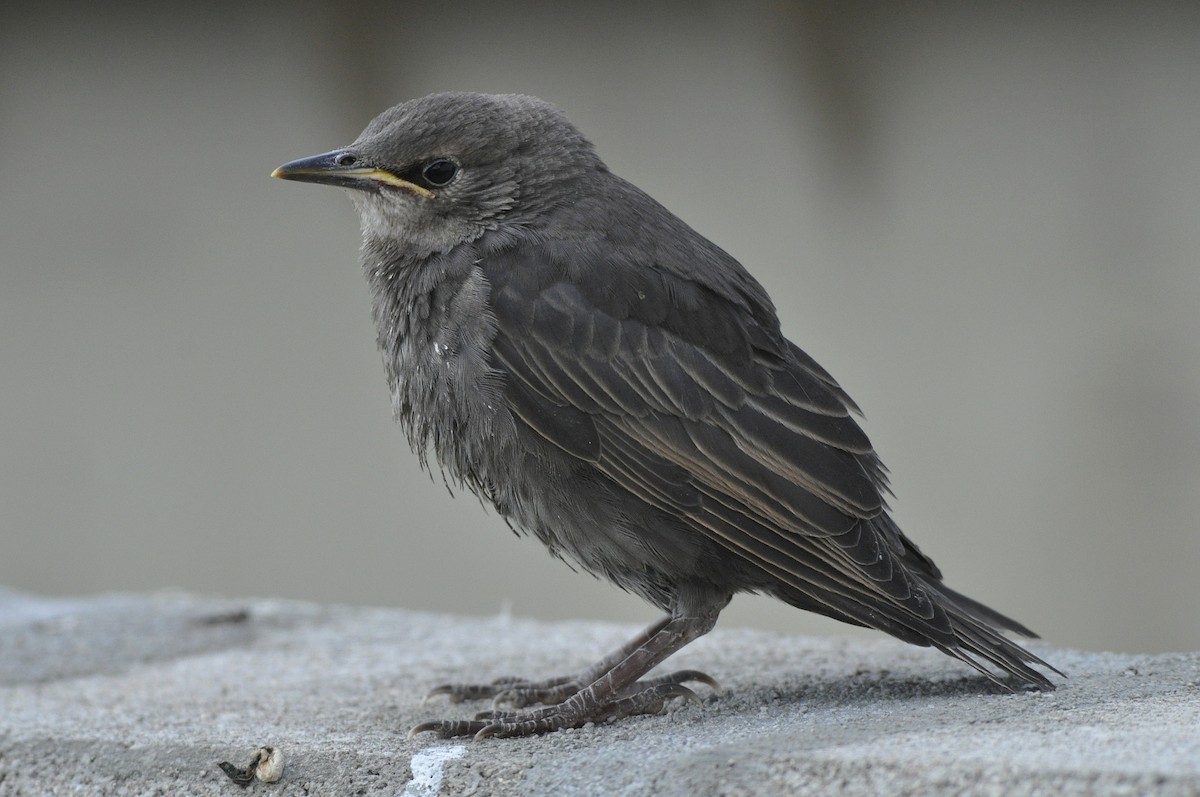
(145,694)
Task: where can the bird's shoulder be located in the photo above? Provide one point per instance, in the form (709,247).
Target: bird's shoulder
(613,255)
(615,280)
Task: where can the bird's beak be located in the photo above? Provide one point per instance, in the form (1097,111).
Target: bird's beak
(334,168)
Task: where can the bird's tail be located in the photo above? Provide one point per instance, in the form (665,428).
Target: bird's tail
(978,641)
(961,627)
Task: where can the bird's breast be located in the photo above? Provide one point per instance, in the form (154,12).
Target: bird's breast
(435,333)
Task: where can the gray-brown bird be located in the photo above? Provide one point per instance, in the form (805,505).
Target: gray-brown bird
(618,386)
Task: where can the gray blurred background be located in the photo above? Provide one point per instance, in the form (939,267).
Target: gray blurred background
(983,219)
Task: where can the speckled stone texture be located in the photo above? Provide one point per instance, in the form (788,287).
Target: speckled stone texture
(145,694)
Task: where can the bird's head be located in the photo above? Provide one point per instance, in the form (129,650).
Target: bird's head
(431,173)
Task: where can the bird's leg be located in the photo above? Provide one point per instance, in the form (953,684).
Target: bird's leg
(520,692)
(611,689)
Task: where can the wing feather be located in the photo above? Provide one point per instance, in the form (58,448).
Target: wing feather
(688,400)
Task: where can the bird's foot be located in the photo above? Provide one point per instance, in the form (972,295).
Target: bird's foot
(611,689)
(643,697)
(518,692)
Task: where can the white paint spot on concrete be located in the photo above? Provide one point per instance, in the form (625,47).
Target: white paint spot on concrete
(427,768)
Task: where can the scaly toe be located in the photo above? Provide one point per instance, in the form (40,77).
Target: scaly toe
(487,731)
(446,729)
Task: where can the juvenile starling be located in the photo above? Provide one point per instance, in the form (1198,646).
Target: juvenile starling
(618,386)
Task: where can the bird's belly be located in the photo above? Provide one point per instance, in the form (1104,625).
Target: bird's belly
(585,519)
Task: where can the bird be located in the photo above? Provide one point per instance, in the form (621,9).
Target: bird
(618,387)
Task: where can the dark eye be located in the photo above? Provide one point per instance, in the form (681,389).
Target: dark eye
(439,172)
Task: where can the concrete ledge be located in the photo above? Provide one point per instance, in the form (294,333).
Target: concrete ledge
(144,694)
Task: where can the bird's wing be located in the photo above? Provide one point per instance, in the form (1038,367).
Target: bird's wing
(690,398)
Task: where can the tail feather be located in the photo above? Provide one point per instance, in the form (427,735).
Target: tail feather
(979,643)
(962,628)
(986,614)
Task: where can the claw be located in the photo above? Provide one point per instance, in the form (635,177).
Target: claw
(685,676)
(435,726)
(487,731)
(679,690)
(444,689)
(446,729)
